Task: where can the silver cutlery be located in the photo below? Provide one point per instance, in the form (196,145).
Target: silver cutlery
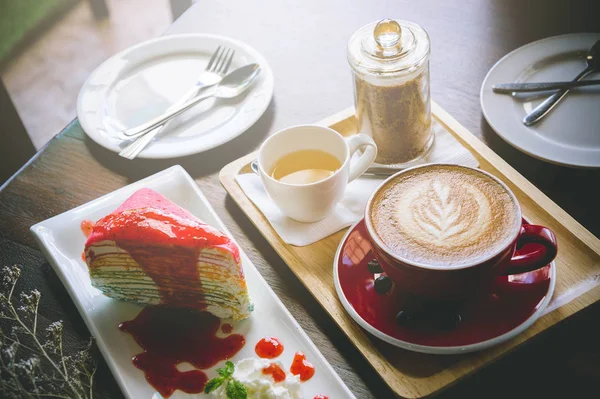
(217,67)
(509,88)
(593,65)
(232,85)
(371,172)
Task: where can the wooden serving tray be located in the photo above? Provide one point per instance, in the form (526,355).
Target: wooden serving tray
(411,374)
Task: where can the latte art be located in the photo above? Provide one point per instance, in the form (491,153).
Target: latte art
(439,216)
(435,217)
(444,215)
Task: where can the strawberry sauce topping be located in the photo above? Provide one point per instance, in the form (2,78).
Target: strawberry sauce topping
(302,367)
(275,371)
(269,348)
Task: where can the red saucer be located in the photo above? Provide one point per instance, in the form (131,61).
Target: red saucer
(513,305)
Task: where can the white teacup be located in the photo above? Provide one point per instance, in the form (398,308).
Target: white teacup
(312,202)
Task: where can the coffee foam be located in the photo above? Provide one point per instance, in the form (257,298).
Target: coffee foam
(444,215)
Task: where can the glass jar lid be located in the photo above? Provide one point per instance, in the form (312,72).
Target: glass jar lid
(388,47)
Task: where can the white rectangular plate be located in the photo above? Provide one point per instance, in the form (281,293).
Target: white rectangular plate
(62,241)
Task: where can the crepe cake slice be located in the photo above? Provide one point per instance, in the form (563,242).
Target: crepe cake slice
(151,251)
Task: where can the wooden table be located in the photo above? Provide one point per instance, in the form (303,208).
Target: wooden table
(305,43)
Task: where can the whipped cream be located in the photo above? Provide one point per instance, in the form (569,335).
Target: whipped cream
(259,385)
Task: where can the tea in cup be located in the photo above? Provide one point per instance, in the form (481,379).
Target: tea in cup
(305,169)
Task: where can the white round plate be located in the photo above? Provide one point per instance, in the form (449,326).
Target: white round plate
(570,133)
(142,81)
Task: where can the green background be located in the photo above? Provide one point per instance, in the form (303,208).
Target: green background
(18,17)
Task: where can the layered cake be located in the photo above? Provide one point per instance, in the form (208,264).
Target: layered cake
(151,251)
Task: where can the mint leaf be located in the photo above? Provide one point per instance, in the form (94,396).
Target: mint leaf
(227,371)
(236,390)
(213,384)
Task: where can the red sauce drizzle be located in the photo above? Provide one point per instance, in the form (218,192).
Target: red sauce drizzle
(301,367)
(274,371)
(154,226)
(86,227)
(174,270)
(227,328)
(269,348)
(321,397)
(171,336)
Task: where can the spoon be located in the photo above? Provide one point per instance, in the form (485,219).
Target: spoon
(232,85)
(593,65)
(254,167)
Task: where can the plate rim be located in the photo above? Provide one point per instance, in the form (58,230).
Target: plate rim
(437,350)
(37,231)
(514,144)
(268,84)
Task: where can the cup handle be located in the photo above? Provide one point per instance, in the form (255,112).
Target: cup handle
(540,256)
(365,160)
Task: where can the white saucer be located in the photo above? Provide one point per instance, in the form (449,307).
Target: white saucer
(143,81)
(570,133)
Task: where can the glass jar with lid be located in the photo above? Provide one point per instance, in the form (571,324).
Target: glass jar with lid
(390,64)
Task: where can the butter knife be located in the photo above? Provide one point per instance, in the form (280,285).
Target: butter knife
(508,88)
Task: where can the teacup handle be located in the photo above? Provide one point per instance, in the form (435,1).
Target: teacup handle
(365,160)
(537,258)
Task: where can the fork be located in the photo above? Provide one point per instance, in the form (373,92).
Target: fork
(217,67)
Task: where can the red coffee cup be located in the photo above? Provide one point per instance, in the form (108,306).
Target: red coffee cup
(466,281)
